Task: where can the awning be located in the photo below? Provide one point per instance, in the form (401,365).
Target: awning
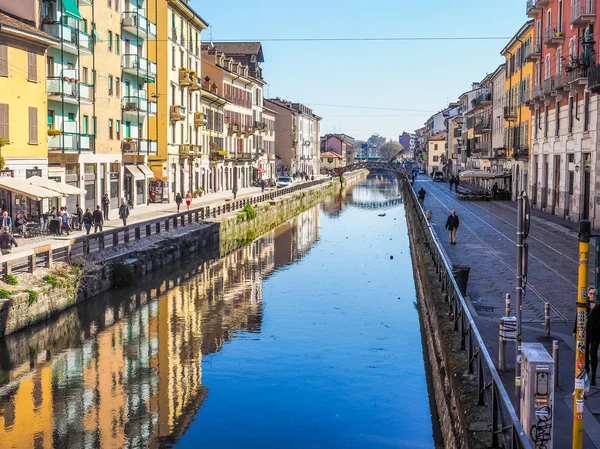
(149,80)
(97,35)
(146,171)
(262,170)
(70,9)
(25,188)
(135,172)
(476,174)
(60,187)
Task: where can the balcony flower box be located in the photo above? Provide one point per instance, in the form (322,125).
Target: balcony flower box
(54,132)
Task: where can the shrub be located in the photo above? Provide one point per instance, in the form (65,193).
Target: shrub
(51,279)
(10,279)
(33,296)
(250,212)
(5,294)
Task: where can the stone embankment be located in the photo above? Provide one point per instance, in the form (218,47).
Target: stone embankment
(84,278)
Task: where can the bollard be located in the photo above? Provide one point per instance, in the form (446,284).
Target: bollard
(547,319)
(555,357)
(501,350)
(506,333)
(507,305)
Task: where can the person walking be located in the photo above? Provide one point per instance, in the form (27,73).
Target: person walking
(178,200)
(262,186)
(234,191)
(421,195)
(452,224)
(124,212)
(98,219)
(105,206)
(456,183)
(65,222)
(79,214)
(87,220)
(188,200)
(6,221)
(451,182)
(7,241)
(494,190)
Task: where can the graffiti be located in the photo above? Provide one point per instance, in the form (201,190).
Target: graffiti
(541,432)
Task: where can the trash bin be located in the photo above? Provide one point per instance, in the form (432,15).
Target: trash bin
(461,274)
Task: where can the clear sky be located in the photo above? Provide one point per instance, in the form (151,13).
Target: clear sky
(414,75)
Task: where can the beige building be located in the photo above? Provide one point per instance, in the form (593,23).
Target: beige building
(436,153)
(269,141)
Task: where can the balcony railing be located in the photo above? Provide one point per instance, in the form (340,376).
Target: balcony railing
(148,146)
(549,85)
(70,38)
(71,141)
(510,113)
(69,90)
(139,66)
(577,75)
(534,51)
(139,104)
(481,148)
(241,157)
(483,126)
(554,35)
(583,13)
(594,78)
(483,99)
(532,8)
(136,23)
(177,112)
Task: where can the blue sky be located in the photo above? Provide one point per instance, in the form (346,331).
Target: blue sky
(414,75)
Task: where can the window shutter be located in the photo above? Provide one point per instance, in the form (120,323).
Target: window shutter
(4,121)
(3,60)
(33,126)
(31,66)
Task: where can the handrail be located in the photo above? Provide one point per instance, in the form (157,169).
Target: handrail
(511,428)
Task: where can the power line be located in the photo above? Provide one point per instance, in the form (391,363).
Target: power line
(367,107)
(367,39)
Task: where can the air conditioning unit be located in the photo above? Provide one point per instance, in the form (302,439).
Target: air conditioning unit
(131,106)
(128,21)
(130,146)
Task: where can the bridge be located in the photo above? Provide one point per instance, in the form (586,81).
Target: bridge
(378,204)
(373,165)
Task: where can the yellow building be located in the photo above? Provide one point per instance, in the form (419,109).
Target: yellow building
(23,106)
(517,115)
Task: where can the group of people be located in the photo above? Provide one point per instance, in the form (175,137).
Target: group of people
(179,200)
(302,176)
(592,342)
(454,181)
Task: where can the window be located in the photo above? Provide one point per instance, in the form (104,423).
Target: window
(109,43)
(117,44)
(173,56)
(110,129)
(4,121)
(571,158)
(180,58)
(546,122)
(537,123)
(436,158)
(557,121)
(33,126)
(118,87)
(94,78)
(94,126)
(3,60)
(173,94)
(86,120)
(586,112)
(173,133)
(570,130)
(110,3)
(571,181)
(435,147)
(118,129)
(84,75)
(110,85)
(31,66)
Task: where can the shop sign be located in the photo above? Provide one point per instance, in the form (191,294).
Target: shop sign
(33,172)
(114,176)
(7,174)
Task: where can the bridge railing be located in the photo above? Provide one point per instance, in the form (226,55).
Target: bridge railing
(491,391)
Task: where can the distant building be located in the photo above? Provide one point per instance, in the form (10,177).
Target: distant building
(436,153)
(331,160)
(340,144)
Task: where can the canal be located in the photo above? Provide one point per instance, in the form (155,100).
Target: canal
(307,337)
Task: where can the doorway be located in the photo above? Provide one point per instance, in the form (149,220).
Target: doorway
(586,185)
(556,190)
(544,201)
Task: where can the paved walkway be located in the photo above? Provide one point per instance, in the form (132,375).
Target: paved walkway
(486,241)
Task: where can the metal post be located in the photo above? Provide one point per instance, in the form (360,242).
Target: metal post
(501,349)
(507,305)
(585,233)
(520,204)
(547,319)
(556,357)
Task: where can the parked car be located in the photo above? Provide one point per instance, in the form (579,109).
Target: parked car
(284,181)
(438,176)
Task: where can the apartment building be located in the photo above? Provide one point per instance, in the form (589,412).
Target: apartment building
(498,158)
(269,117)
(519,54)
(468,124)
(176,54)
(479,119)
(436,153)
(454,148)
(23,140)
(565,109)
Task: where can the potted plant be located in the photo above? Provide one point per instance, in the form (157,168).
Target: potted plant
(198,192)
(53,132)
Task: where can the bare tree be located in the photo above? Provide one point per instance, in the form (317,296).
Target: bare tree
(390,149)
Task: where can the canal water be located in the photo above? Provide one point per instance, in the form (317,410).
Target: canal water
(307,337)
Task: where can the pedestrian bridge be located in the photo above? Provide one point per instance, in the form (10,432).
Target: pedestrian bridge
(378,204)
(372,165)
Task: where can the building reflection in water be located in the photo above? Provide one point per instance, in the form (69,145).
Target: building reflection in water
(125,370)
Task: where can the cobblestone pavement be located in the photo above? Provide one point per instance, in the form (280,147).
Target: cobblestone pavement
(486,242)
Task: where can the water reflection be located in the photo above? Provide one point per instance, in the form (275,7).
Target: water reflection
(125,370)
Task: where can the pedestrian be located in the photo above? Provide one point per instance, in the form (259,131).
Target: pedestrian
(456,183)
(451,182)
(592,336)
(421,195)
(105,206)
(178,200)
(262,186)
(124,212)
(79,212)
(234,191)
(495,190)
(312,177)
(65,222)
(87,220)
(98,219)
(6,221)
(7,241)
(188,200)
(452,224)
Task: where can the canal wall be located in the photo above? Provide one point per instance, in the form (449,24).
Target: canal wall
(463,423)
(84,278)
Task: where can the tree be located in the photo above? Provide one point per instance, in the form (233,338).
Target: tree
(390,149)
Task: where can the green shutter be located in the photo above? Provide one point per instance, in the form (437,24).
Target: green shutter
(70,9)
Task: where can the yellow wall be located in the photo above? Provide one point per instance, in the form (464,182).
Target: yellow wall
(21,94)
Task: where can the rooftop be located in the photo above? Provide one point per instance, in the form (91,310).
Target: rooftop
(240,48)
(10,22)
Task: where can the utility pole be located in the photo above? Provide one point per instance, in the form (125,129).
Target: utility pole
(585,235)
(520,233)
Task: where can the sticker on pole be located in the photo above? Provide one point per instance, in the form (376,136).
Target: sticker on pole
(579,383)
(517,381)
(579,405)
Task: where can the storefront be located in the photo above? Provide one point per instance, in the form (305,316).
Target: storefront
(89,186)
(115,201)
(21,196)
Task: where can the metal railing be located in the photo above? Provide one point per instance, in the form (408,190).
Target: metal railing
(491,391)
(580,9)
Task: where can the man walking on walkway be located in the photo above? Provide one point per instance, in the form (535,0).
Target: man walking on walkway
(124,212)
(451,182)
(105,205)
(452,224)
(98,220)
(421,195)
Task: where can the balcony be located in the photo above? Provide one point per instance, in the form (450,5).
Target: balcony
(526,96)
(134,105)
(70,140)
(184,150)
(534,52)
(554,35)
(177,113)
(532,8)
(483,126)
(199,119)
(138,66)
(549,87)
(241,157)
(233,128)
(148,146)
(594,78)
(186,77)
(510,113)
(481,149)
(482,100)
(137,24)
(217,155)
(70,39)
(69,90)
(270,157)
(577,77)
(583,13)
